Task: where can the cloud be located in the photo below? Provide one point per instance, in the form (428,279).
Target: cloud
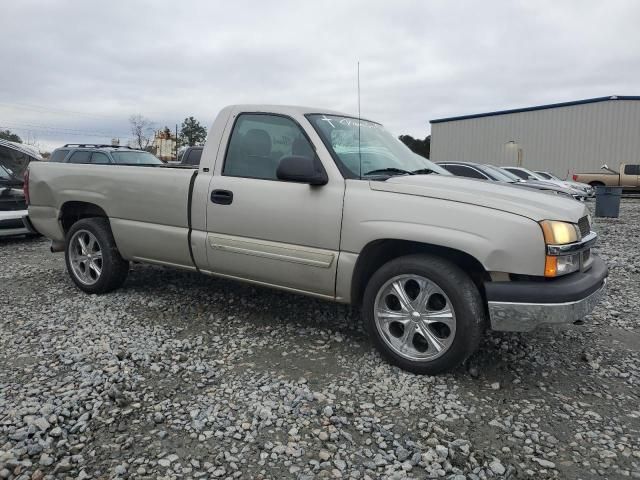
(85,67)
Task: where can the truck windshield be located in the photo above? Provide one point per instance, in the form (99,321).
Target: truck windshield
(366,148)
(135,158)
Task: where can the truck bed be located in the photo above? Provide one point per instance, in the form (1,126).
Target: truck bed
(146,205)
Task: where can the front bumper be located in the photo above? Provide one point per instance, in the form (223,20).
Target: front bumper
(522,306)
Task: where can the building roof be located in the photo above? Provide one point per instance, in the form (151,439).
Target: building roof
(538,107)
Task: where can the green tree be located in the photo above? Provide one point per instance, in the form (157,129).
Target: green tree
(192,133)
(10,136)
(421,147)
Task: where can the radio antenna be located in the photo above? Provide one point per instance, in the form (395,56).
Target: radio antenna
(359,154)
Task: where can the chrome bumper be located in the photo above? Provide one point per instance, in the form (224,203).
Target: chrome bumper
(525,317)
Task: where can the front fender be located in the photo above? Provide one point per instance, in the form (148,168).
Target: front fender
(499,240)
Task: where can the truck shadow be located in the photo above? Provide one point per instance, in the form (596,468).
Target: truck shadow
(504,356)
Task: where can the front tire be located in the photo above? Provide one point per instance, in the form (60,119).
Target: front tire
(93,261)
(423,313)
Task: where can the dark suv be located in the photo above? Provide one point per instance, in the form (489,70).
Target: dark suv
(103,154)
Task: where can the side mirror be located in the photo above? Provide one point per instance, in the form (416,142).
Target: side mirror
(302,170)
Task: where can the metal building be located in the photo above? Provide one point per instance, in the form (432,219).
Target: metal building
(562,138)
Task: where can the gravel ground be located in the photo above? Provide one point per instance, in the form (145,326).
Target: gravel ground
(179,375)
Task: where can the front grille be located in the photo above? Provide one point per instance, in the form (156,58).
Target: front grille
(583,225)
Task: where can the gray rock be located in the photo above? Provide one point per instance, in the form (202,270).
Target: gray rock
(42,424)
(45,460)
(497,467)
(544,463)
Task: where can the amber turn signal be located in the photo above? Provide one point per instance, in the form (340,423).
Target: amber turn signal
(550,266)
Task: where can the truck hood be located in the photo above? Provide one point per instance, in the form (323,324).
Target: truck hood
(519,201)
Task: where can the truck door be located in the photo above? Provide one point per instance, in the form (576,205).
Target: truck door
(630,176)
(262,229)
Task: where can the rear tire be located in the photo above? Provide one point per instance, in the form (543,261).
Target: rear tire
(93,261)
(423,313)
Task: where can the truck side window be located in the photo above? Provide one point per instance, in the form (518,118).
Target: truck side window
(632,169)
(258,143)
(81,156)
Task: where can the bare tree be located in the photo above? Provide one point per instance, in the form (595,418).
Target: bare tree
(32,141)
(142,131)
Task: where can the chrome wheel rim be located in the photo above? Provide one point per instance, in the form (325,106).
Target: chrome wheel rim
(85,257)
(415,317)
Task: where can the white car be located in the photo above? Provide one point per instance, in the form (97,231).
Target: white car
(14,159)
(588,189)
(13,209)
(527,174)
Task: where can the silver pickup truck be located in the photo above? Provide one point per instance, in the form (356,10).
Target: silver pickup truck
(324,204)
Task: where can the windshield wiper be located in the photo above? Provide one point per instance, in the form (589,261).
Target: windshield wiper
(423,171)
(389,170)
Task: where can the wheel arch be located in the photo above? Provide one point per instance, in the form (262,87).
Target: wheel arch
(72,211)
(378,252)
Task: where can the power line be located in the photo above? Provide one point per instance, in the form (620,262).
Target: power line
(40,108)
(63,129)
(54,130)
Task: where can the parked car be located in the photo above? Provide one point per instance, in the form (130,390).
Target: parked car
(528,175)
(627,176)
(489,172)
(14,161)
(16,157)
(328,205)
(190,156)
(102,154)
(588,189)
(13,208)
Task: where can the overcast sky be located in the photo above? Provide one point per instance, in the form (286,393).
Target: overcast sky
(72,70)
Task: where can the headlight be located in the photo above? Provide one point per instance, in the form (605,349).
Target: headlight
(559,233)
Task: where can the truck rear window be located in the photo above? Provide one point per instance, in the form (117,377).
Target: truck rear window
(632,169)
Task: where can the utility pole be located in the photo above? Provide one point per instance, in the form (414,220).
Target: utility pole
(176,142)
